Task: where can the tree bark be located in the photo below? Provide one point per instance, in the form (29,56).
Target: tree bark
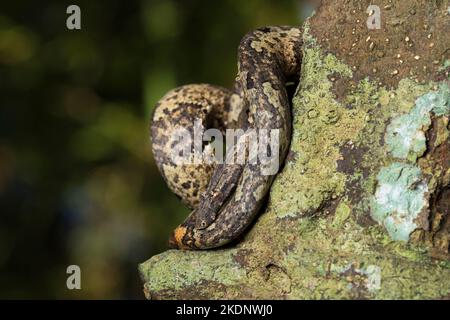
(361,208)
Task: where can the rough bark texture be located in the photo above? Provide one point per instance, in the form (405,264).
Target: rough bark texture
(362,207)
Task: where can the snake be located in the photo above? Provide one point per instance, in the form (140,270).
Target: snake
(226,197)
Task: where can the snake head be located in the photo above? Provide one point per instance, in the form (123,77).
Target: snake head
(204,217)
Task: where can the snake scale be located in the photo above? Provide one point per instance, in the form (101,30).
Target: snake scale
(225,198)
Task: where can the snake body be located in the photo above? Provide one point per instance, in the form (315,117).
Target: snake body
(225,198)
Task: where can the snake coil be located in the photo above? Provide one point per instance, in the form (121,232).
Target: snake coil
(225,198)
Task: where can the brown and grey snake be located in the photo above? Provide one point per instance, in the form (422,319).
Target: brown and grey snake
(225,198)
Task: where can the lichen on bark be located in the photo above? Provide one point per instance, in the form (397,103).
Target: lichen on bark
(329,229)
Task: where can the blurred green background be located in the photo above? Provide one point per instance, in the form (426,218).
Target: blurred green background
(78,184)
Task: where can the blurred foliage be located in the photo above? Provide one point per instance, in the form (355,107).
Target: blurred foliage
(78,184)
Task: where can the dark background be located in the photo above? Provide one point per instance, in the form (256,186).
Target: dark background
(78,184)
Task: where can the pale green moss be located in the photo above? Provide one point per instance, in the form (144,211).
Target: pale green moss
(405,135)
(399,199)
(439,100)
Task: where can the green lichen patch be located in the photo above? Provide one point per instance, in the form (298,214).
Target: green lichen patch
(175,271)
(355,263)
(405,135)
(368,277)
(320,125)
(440,100)
(342,213)
(399,199)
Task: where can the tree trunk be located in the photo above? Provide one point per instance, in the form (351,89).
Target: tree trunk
(361,208)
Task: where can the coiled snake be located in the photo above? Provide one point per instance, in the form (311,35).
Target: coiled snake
(225,198)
